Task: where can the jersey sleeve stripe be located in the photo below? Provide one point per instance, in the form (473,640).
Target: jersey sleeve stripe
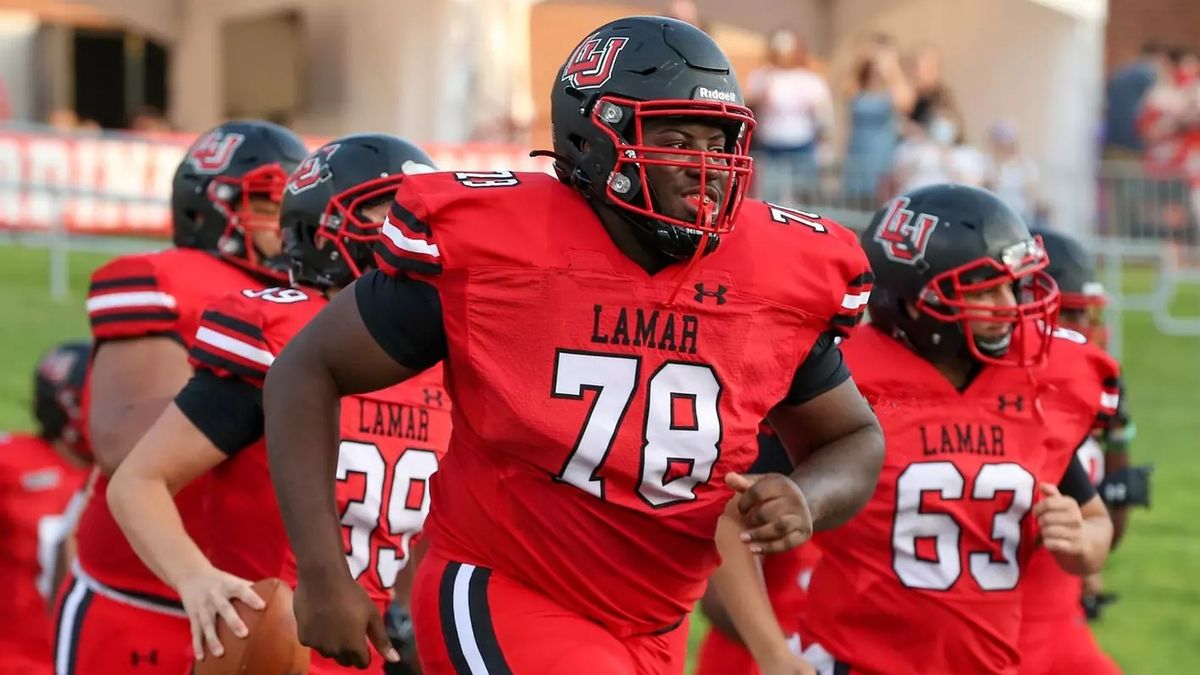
(133,317)
(125,282)
(864,279)
(237,325)
(224,366)
(1109,401)
(409,218)
(854,301)
(392,263)
(232,345)
(100,303)
(406,243)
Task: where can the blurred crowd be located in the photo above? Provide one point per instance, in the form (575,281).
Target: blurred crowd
(904,129)
(1152,144)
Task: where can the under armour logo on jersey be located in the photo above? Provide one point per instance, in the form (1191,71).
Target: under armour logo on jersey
(149,658)
(1016,403)
(903,233)
(433,397)
(719,294)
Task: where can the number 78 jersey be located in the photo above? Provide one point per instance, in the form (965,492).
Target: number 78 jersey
(598,407)
(390,445)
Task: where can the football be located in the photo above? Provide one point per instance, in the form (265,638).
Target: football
(271,648)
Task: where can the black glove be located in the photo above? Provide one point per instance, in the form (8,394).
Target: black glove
(1127,486)
(1093,605)
(400,630)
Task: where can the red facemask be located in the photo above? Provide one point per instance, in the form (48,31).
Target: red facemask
(232,196)
(737,166)
(1032,316)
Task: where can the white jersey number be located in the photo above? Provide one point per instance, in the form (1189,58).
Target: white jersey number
(682,429)
(914,522)
(408,504)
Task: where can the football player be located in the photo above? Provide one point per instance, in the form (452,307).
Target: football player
(981,430)
(1054,635)
(786,576)
(611,340)
(114,613)
(38,476)
(390,440)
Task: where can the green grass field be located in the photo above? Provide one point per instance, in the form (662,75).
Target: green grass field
(1154,628)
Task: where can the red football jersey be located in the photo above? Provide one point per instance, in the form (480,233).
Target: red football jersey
(597,406)
(35,486)
(1050,592)
(156,294)
(925,578)
(391,443)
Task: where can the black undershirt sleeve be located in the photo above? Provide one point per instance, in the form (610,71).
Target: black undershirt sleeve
(823,369)
(1075,482)
(404,316)
(226,410)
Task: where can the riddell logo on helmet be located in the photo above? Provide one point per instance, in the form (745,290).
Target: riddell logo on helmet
(715,95)
(591,64)
(214,152)
(904,234)
(309,173)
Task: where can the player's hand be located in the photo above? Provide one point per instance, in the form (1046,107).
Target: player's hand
(1093,584)
(206,595)
(788,664)
(1060,521)
(773,509)
(332,616)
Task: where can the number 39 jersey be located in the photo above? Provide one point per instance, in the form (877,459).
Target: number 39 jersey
(391,443)
(597,407)
(924,579)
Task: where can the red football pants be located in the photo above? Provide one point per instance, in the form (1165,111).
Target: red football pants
(471,620)
(722,655)
(96,633)
(1062,647)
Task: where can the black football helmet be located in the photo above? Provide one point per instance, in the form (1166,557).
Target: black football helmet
(326,234)
(214,184)
(58,394)
(627,72)
(931,247)
(1083,297)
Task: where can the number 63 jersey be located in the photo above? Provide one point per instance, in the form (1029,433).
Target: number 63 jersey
(924,580)
(391,443)
(598,407)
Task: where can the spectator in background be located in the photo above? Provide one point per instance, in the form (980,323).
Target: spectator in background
(1010,174)
(925,66)
(63,119)
(1169,125)
(968,164)
(794,108)
(925,156)
(1124,93)
(150,120)
(880,97)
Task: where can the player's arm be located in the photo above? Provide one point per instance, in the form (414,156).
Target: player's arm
(1074,523)
(739,590)
(139,361)
(379,331)
(132,381)
(836,446)
(210,419)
